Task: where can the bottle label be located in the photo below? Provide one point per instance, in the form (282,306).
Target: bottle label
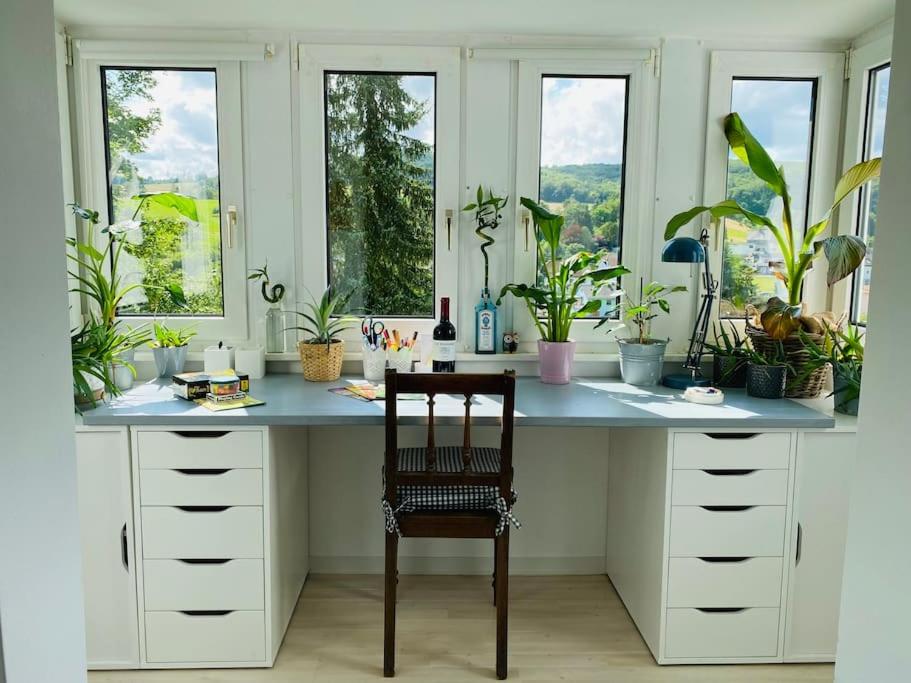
(444,351)
(485,331)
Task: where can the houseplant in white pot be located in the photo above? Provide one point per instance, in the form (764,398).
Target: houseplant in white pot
(641,355)
(322,352)
(557,301)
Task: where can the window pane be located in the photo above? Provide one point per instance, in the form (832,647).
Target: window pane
(380,175)
(583,148)
(161,133)
(875,126)
(780,113)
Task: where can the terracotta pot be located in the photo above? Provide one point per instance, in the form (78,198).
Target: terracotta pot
(322,362)
(555,360)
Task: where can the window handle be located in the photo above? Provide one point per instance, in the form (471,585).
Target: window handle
(448,229)
(526,216)
(230,224)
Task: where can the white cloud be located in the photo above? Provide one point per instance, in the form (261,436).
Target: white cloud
(582,120)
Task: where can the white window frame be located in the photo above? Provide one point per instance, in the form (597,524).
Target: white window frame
(828,70)
(863,60)
(445,63)
(90,56)
(639,67)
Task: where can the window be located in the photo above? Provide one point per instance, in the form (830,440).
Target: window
(380,190)
(780,113)
(161,135)
(874,128)
(583,148)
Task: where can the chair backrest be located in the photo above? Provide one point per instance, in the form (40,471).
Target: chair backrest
(467,385)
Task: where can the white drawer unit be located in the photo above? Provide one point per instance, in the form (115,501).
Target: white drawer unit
(201,487)
(193,449)
(732,450)
(205,637)
(730,487)
(703,633)
(204,532)
(204,585)
(724,582)
(725,531)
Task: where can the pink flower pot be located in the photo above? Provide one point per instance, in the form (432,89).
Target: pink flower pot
(555,360)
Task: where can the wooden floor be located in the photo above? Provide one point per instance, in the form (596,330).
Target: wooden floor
(561,629)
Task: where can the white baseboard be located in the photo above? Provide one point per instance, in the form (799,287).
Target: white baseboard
(518,566)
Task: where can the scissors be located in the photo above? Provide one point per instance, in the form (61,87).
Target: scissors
(372,329)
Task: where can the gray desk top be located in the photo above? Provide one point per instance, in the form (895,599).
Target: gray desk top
(597,402)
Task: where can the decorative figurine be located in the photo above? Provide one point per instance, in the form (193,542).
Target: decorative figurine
(510,342)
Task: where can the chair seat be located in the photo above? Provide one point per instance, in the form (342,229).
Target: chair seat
(449,459)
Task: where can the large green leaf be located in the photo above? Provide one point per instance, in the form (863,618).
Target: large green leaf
(844,253)
(184,205)
(749,151)
(780,319)
(854,177)
(550,225)
(720,210)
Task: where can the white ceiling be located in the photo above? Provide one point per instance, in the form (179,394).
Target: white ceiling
(712,19)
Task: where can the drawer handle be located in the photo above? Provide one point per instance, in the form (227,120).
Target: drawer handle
(727,508)
(721,610)
(731,435)
(206,612)
(211,472)
(729,473)
(725,560)
(202,508)
(201,434)
(203,560)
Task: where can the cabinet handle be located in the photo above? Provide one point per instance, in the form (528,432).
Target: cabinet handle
(731,435)
(203,560)
(124,552)
(202,508)
(721,610)
(729,473)
(727,508)
(799,550)
(206,612)
(211,472)
(725,560)
(200,434)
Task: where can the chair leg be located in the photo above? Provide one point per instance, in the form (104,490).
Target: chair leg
(496,560)
(391,579)
(502,584)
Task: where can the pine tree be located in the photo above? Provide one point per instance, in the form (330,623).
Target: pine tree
(380,195)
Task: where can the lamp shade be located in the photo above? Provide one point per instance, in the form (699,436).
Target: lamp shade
(683,250)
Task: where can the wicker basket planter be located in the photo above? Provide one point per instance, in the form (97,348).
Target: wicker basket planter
(798,357)
(322,362)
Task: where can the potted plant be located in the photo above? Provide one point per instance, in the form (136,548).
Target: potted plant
(781,320)
(556,303)
(843,351)
(94,348)
(322,352)
(767,373)
(169,349)
(272,294)
(730,358)
(641,355)
(487,216)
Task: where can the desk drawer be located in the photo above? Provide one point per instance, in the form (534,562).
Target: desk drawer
(765,451)
(731,532)
(201,487)
(199,450)
(180,637)
(751,632)
(209,533)
(730,487)
(182,585)
(743,582)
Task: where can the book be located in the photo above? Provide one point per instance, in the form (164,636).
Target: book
(218,406)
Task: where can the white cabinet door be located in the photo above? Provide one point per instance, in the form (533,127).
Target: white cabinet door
(106,527)
(825,464)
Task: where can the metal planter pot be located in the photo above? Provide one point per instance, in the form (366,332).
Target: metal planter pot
(642,364)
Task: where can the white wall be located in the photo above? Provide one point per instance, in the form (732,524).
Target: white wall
(874,627)
(40,583)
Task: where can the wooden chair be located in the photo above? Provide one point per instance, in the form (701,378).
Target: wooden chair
(449,491)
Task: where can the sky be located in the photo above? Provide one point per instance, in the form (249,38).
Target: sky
(778,114)
(421,88)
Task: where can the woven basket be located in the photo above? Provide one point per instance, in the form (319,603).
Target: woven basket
(798,357)
(322,364)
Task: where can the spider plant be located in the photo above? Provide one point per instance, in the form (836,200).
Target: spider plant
(93,348)
(320,320)
(165,337)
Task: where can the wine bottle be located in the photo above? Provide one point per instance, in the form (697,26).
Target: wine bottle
(485,324)
(444,336)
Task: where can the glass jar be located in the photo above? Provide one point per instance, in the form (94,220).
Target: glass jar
(275,329)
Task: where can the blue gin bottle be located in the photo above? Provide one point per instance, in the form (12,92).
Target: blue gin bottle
(485,324)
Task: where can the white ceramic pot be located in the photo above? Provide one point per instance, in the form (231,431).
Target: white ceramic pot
(122,376)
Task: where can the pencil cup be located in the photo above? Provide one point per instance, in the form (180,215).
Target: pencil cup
(374,363)
(400,360)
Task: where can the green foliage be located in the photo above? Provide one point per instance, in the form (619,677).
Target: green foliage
(650,303)
(127,131)
(487,216)
(321,321)
(844,351)
(738,285)
(93,348)
(165,337)
(380,195)
(271,294)
(555,303)
(729,344)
